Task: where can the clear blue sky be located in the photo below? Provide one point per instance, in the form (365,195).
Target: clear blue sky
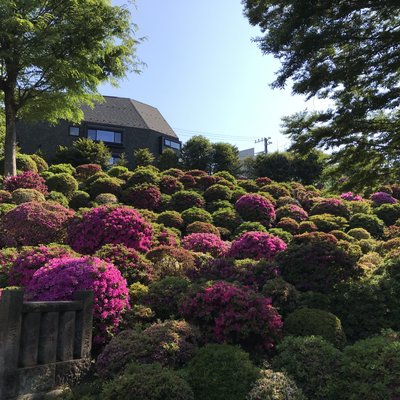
(204,73)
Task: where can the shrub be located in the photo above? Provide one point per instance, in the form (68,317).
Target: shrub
(312,362)
(58,198)
(165,296)
(5,196)
(147,382)
(62,169)
(218,205)
(217,192)
(106,185)
(188,181)
(62,277)
(276,190)
(291,211)
(170,185)
(186,199)
(25,180)
(171,219)
(7,257)
(148,175)
(284,296)
(204,182)
(85,171)
(206,243)
(371,223)
(230,314)
(26,163)
(133,266)
(262,181)
(40,162)
(196,172)
(202,227)
(79,199)
(175,172)
(275,386)
(331,206)
(63,183)
(34,223)
(289,225)
(314,261)
(282,234)
(249,227)
(314,322)
(307,226)
(328,222)
(388,213)
(143,196)
(106,198)
(20,196)
(380,198)
(29,260)
(226,175)
(253,207)
(220,372)
(117,171)
(256,245)
(109,225)
(350,196)
(165,236)
(227,218)
(249,185)
(237,194)
(359,233)
(196,214)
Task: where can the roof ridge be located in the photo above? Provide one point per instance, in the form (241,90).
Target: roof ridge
(138,112)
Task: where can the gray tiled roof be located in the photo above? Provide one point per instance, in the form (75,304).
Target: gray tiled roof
(125,112)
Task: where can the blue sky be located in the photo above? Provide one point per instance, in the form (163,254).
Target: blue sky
(205,75)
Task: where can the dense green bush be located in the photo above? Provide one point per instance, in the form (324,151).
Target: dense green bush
(359,233)
(196,214)
(227,218)
(62,169)
(217,192)
(40,162)
(276,190)
(220,372)
(63,183)
(20,196)
(79,199)
(106,198)
(284,296)
(388,213)
(58,198)
(249,226)
(117,171)
(106,185)
(202,227)
(149,175)
(171,219)
(370,223)
(328,222)
(185,199)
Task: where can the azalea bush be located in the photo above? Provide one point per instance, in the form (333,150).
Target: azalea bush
(26,180)
(206,243)
(254,207)
(143,196)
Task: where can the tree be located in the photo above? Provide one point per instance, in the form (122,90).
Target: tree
(168,159)
(54,54)
(197,153)
(2,131)
(143,157)
(226,158)
(276,166)
(347,51)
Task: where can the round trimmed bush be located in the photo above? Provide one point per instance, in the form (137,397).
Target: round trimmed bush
(206,243)
(254,207)
(289,225)
(40,162)
(220,372)
(26,180)
(5,196)
(285,201)
(262,181)
(106,198)
(249,227)
(226,175)
(58,198)
(147,382)
(196,214)
(282,234)
(276,190)
(171,219)
(175,172)
(148,175)
(85,171)
(227,313)
(62,277)
(291,211)
(106,185)
(185,199)
(237,194)
(20,196)
(314,322)
(249,185)
(328,222)
(388,213)
(217,192)
(63,183)
(109,225)
(307,226)
(26,163)
(165,236)
(331,206)
(79,199)
(218,205)
(202,227)
(143,196)
(359,233)
(117,171)
(380,198)
(170,185)
(204,182)
(188,181)
(33,223)
(62,169)
(350,196)
(256,245)
(227,218)
(370,223)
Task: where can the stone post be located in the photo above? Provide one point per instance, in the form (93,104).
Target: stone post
(84,324)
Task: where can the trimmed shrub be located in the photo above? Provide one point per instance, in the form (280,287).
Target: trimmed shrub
(185,199)
(175,172)
(388,213)
(217,192)
(188,181)
(63,183)
(220,372)
(147,382)
(359,207)
(264,180)
(34,223)
(226,175)
(249,185)
(117,170)
(79,199)
(20,196)
(331,206)
(26,180)
(256,245)
(204,182)
(58,198)
(109,225)
(254,207)
(171,219)
(314,322)
(276,190)
(62,277)
(282,234)
(217,205)
(350,196)
(143,196)
(165,236)
(7,257)
(196,214)
(370,223)
(291,211)
(26,163)
(359,233)
(328,222)
(287,200)
(307,226)
(380,198)
(106,185)
(106,198)
(227,218)
(206,243)
(237,194)
(289,225)
(249,227)
(170,185)
(40,162)
(284,296)
(85,171)
(227,313)
(62,169)
(202,227)
(5,196)
(149,175)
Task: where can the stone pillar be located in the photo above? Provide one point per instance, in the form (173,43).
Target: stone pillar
(11,302)
(84,324)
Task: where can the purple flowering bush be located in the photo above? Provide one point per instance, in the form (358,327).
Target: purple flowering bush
(206,243)
(109,224)
(380,198)
(62,277)
(350,196)
(254,207)
(331,206)
(26,180)
(256,245)
(227,313)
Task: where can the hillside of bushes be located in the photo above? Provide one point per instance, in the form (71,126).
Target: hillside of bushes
(210,287)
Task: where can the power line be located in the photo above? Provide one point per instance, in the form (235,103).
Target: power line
(189,132)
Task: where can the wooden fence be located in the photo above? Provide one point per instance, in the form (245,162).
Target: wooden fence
(43,345)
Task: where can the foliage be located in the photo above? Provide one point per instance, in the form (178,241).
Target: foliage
(330,206)
(225,158)
(79,199)
(217,192)
(185,199)
(227,218)
(328,222)
(168,159)
(206,243)
(143,157)
(143,196)
(20,196)
(26,180)
(197,153)
(380,198)
(170,185)
(106,185)
(284,296)
(63,183)
(370,223)
(58,198)
(85,171)
(253,207)
(291,211)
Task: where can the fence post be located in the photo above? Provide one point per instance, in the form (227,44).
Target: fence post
(11,302)
(84,324)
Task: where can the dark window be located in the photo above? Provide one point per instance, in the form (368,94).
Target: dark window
(74,131)
(105,135)
(114,159)
(172,144)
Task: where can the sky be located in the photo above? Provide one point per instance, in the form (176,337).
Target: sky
(206,75)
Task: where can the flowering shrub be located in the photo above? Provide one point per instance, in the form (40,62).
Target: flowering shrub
(26,180)
(7,257)
(291,211)
(62,277)
(186,199)
(109,224)
(254,207)
(143,196)
(231,314)
(30,260)
(350,196)
(380,198)
(34,223)
(170,185)
(331,206)
(133,266)
(165,236)
(206,243)
(256,245)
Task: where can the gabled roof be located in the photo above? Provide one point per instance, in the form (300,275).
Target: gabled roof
(125,112)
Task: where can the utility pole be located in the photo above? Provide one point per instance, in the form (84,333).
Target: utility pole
(267,141)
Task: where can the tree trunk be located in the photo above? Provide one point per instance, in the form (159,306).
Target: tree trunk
(10,143)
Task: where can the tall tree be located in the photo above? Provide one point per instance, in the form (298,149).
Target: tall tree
(197,153)
(54,54)
(226,158)
(347,51)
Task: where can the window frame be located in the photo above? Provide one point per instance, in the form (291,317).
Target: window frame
(114,131)
(71,127)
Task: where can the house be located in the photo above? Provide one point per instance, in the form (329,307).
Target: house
(121,123)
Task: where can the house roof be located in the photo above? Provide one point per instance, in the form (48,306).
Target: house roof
(125,112)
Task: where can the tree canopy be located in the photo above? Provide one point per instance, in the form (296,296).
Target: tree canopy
(347,51)
(54,54)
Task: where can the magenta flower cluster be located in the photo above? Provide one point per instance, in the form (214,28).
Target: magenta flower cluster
(254,207)
(350,196)
(232,314)
(382,198)
(330,206)
(206,243)
(109,224)
(256,245)
(62,277)
(26,180)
